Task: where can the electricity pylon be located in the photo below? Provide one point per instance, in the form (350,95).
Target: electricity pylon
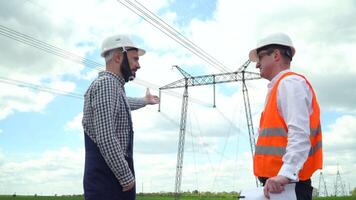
(212,79)
(322,181)
(339,185)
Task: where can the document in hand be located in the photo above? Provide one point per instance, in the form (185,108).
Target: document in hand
(288,193)
(257,194)
(253,194)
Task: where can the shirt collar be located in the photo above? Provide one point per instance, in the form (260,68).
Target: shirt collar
(108,73)
(273,81)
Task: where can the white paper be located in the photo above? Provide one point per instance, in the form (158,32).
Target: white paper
(257,194)
(253,194)
(288,193)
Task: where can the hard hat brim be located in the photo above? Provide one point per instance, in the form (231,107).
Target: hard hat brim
(253,53)
(141,52)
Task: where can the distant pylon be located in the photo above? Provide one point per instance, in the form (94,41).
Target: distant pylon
(322,185)
(339,185)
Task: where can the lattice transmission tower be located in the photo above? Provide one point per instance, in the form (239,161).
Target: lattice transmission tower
(212,79)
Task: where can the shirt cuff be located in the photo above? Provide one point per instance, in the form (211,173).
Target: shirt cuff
(126,180)
(143,101)
(289,171)
(140,102)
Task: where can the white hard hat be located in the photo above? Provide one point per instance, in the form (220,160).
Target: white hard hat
(276,38)
(119,41)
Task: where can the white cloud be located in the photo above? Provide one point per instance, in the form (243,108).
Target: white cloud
(208,173)
(75,125)
(339,149)
(159,130)
(228,36)
(21,99)
(60,171)
(64,86)
(239,36)
(16,98)
(53,172)
(341,133)
(1,157)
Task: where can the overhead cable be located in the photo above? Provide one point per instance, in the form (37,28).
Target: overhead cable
(51,49)
(168,30)
(40,87)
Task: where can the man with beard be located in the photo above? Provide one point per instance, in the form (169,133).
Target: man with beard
(109,172)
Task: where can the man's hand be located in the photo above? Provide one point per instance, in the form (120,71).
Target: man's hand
(129,186)
(275,185)
(151,99)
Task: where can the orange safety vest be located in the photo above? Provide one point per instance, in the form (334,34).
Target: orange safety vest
(273,138)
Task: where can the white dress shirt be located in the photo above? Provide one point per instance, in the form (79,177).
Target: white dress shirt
(294,99)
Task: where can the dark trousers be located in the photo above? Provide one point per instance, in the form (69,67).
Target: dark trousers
(99,181)
(303,189)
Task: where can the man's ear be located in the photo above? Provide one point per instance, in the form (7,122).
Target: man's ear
(117,57)
(277,55)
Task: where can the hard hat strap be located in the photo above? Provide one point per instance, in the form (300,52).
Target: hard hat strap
(125,67)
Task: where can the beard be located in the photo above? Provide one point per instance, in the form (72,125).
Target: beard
(126,69)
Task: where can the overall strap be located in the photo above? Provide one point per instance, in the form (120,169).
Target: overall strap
(129,152)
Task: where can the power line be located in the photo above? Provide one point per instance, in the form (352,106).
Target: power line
(41,45)
(170,36)
(147,15)
(51,49)
(168,30)
(48,48)
(40,88)
(187,41)
(20,83)
(38,44)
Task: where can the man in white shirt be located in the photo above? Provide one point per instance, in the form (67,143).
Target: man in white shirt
(288,147)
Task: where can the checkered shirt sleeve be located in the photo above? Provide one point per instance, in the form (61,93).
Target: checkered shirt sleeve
(136,103)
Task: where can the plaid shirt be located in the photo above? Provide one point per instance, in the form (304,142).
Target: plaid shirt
(107,121)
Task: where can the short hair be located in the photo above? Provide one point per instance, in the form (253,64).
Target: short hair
(109,54)
(285,50)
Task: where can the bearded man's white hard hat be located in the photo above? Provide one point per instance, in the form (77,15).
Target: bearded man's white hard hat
(119,41)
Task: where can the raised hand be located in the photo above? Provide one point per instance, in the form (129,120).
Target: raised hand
(151,99)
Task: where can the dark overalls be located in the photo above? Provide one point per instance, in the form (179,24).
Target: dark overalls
(99,181)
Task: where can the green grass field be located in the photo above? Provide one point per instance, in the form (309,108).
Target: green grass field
(153,197)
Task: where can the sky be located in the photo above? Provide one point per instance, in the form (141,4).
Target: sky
(41,138)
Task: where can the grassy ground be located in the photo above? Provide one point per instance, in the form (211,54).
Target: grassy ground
(153,197)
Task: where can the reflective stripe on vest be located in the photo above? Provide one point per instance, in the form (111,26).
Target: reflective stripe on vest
(282,132)
(273,138)
(280,151)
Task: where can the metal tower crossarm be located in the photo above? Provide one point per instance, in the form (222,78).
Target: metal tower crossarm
(212,79)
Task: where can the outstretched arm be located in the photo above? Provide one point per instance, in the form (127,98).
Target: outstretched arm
(149,99)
